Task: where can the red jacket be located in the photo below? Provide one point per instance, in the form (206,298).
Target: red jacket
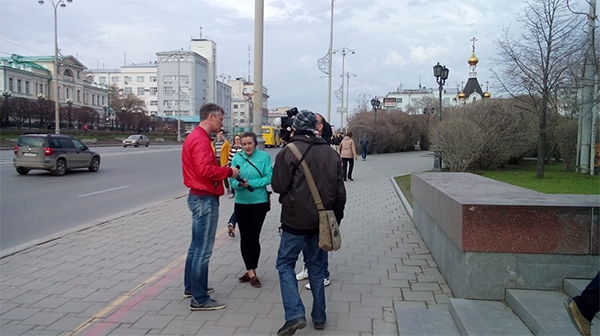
(201,173)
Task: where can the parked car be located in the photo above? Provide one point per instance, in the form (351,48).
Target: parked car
(136,140)
(55,153)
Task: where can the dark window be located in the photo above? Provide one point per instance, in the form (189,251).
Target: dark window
(65,143)
(31,142)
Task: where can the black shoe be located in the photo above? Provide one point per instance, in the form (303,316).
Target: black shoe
(210,305)
(290,327)
(350,179)
(188,293)
(320,326)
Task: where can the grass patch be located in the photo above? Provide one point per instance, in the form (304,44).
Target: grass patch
(555,181)
(102,137)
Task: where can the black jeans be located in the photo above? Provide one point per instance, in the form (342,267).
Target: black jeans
(348,171)
(587,302)
(250,221)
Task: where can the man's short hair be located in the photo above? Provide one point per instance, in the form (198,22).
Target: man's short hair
(208,109)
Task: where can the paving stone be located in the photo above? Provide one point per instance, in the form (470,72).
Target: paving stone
(42,318)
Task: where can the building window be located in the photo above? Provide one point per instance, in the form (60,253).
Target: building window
(242,121)
(79,96)
(153,78)
(242,105)
(399,100)
(67,93)
(102,79)
(154,103)
(184,78)
(19,85)
(10,84)
(140,79)
(140,91)
(168,90)
(235,106)
(128,90)
(167,79)
(127,79)
(153,91)
(103,100)
(27,87)
(115,79)
(242,113)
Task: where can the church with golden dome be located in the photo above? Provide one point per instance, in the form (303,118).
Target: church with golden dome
(472,92)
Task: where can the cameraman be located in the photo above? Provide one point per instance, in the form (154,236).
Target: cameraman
(300,218)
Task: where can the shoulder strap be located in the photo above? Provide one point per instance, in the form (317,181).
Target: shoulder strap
(250,162)
(309,177)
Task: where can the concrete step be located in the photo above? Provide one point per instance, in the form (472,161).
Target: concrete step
(543,312)
(574,287)
(425,322)
(479,317)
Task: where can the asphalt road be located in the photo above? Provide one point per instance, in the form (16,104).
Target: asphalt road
(39,204)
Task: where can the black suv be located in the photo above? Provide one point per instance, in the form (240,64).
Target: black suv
(53,152)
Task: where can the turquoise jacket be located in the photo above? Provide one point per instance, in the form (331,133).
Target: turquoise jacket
(262,161)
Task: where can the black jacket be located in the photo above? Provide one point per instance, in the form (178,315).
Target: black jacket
(299,213)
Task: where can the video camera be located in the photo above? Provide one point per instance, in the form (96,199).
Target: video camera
(286,124)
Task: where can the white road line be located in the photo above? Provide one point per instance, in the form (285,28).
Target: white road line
(103,191)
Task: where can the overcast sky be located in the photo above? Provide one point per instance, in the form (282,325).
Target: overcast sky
(397,42)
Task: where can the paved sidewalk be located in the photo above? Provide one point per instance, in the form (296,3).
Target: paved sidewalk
(124,275)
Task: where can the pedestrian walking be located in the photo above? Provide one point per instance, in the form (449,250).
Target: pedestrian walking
(364,144)
(303,274)
(251,202)
(235,148)
(582,308)
(221,147)
(300,220)
(348,154)
(203,176)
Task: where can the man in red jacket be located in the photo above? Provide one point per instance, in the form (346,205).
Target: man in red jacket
(204,177)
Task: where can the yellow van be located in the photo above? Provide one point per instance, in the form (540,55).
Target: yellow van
(271,136)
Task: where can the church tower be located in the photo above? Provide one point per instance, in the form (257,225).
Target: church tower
(472,92)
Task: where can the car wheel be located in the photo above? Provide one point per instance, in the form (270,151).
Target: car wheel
(125,146)
(148,144)
(135,145)
(95,164)
(22,171)
(61,168)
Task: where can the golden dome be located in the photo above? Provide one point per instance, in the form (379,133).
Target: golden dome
(486,94)
(473,60)
(462,95)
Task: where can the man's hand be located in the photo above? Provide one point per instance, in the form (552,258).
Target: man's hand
(236,172)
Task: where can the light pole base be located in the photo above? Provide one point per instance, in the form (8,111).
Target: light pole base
(437,163)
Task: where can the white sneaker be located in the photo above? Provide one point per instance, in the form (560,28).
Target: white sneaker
(326,282)
(303,275)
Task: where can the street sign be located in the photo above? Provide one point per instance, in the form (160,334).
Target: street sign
(341,110)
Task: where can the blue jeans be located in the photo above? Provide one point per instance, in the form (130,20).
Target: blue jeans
(289,249)
(205,215)
(363,152)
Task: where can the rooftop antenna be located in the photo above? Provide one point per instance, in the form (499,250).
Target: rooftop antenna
(420,86)
(200,32)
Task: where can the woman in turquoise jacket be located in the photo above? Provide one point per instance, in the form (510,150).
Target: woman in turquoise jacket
(251,201)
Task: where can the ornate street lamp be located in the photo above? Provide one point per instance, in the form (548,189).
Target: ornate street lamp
(41,99)
(376,104)
(344,51)
(55,4)
(441,74)
(106,119)
(70,103)
(6,94)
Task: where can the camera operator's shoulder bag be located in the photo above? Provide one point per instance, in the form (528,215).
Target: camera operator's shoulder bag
(330,238)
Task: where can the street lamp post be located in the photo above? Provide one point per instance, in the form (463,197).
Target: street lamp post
(106,119)
(441,74)
(348,98)
(6,94)
(70,103)
(376,104)
(55,4)
(344,51)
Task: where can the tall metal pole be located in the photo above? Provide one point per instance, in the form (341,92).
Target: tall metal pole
(56,105)
(330,56)
(342,96)
(587,136)
(178,100)
(347,97)
(257,95)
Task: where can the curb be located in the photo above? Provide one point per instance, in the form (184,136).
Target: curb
(407,205)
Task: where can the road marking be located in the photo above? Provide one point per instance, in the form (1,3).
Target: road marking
(116,306)
(103,191)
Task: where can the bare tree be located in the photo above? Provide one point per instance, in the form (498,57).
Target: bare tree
(535,63)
